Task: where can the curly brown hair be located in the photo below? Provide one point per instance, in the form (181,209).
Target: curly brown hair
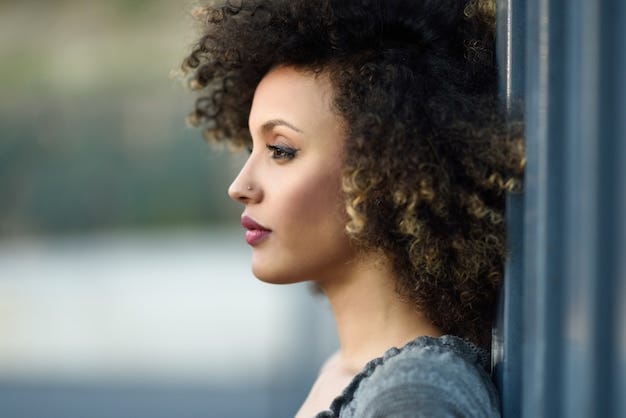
(429,154)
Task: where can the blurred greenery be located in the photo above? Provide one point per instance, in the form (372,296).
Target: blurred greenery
(92,131)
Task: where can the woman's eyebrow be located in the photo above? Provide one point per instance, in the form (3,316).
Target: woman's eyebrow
(271,124)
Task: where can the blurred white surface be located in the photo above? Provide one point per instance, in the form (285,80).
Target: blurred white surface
(179,306)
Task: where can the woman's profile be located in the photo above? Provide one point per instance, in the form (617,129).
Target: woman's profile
(378,166)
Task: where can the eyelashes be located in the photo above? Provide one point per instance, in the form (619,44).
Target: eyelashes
(280,152)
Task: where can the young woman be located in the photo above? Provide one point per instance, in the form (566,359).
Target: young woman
(378,166)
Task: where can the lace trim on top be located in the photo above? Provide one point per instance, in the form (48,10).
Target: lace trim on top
(465,348)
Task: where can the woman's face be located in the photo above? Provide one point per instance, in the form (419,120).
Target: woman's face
(291,183)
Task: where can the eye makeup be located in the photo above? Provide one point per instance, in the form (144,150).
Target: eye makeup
(281,152)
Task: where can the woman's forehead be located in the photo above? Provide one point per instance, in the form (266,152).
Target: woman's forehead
(294,99)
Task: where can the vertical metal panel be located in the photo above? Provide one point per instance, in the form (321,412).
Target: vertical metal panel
(619,384)
(574,350)
(611,135)
(582,199)
(543,223)
(507,354)
(511,39)
(592,210)
(508,370)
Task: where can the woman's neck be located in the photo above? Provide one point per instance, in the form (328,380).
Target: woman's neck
(371,317)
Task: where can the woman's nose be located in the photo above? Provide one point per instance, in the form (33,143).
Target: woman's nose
(243,189)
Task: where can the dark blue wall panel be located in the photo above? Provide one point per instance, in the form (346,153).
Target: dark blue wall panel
(507,353)
(571,325)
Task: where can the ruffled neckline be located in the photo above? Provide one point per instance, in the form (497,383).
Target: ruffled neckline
(464,348)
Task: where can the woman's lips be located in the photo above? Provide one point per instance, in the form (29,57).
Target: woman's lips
(255,233)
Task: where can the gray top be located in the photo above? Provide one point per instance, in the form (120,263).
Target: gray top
(428,377)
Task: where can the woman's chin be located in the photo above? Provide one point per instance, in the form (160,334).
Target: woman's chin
(264,275)
(275,280)
(272,276)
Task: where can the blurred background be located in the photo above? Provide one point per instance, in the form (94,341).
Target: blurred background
(125,288)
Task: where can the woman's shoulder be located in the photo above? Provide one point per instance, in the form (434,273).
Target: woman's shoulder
(429,377)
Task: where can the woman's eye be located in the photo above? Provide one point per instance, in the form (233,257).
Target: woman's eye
(281,152)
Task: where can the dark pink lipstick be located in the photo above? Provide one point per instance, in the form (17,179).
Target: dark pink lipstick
(255,233)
